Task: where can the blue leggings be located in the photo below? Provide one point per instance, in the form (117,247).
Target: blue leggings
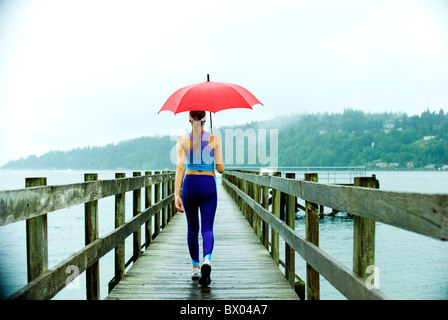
(199,192)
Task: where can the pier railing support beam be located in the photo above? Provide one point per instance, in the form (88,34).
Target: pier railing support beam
(165,209)
(157,216)
(120,200)
(91,231)
(36,238)
(148,203)
(364,235)
(312,235)
(137,205)
(265,225)
(276,195)
(290,218)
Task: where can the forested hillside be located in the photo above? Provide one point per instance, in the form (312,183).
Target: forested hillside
(355,138)
(142,153)
(351,138)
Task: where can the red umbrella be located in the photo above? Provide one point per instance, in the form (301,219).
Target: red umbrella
(210,96)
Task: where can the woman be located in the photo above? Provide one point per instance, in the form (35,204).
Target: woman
(200,150)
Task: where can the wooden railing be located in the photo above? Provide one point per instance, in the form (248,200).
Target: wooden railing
(425,214)
(37,199)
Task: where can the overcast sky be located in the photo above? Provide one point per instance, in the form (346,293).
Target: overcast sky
(89,72)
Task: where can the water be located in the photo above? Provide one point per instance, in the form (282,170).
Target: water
(411,266)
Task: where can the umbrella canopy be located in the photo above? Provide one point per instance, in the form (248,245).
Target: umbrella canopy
(210,96)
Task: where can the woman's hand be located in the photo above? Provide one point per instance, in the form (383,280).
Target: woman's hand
(178,203)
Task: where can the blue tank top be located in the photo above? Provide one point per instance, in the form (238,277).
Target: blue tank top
(204,160)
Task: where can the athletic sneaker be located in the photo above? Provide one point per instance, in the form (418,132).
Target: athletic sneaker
(206,269)
(196,273)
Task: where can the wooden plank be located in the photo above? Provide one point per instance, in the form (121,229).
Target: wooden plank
(343,279)
(426,214)
(241,266)
(16,205)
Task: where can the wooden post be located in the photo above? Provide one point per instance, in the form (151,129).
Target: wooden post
(290,218)
(137,203)
(36,238)
(148,203)
(265,225)
(248,208)
(173,206)
(312,235)
(250,192)
(282,205)
(276,212)
(256,220)
(91,234)
(242,185)
(363,234)
(321,211)
(156,199)
(170,191)
(239,184)
(244,206)
(164,209)
(120,200)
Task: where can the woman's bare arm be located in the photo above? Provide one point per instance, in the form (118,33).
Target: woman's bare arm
(219,161)
(179,175)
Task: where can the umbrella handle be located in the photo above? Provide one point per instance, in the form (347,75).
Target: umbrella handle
(211,126)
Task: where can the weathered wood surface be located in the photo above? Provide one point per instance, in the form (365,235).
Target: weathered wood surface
(91,234)
(241,266)
(363,235)
(312,235)
(343,279)
(49,283)
(16,205)
(36,238)
(426,214)
(290,215)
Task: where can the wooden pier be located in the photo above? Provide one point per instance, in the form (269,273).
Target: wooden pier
(246,257)
(241,266)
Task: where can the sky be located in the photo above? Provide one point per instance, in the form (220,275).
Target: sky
(94,72)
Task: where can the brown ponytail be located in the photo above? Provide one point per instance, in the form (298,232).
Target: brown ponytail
(197,116)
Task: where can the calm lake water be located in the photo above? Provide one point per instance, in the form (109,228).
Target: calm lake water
(410,266)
